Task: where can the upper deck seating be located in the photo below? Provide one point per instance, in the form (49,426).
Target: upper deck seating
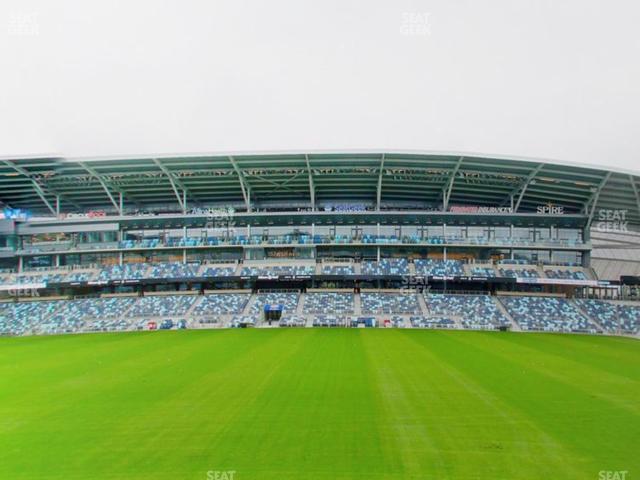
(386,266)
(172,270)
(565,274)
(218,271)
(439,268)
(343,270)
(128,271)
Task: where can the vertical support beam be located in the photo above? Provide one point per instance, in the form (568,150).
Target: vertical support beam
(595,198)
(635,192)
(379,190)
(446,193)
(121,203)
(312,186)
(57,205)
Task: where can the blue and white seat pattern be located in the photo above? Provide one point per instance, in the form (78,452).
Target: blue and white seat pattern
(612,317)
(548,314)
(439,268)
(162,305)
(288,300)
(386,266)
(387,303)
(292,321)
(321,302)
(476,312)
(431,322)
(221,304)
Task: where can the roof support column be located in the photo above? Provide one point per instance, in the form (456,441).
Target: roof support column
(98,177)
(446,194)
(244,186)
(42,197)
(312,187)
(379,190)
(635,191)
(595,198)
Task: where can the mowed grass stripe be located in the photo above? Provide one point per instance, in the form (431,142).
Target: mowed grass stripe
(465,424)
(557,394)
(316,417)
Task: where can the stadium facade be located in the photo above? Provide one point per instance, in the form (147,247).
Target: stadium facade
(238,237)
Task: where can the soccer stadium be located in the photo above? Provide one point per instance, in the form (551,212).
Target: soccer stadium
(299,243)
(337,240)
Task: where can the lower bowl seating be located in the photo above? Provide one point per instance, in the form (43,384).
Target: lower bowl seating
(288,300)
(337,302)
(25,317)
(161,305)
(387,303)
(292,321)
(549,314)
(476,312)
(330,321)
(238,321)
(221,304)
(612,317)
(431,322)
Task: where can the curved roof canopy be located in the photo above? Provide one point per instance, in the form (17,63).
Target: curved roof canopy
(378,178)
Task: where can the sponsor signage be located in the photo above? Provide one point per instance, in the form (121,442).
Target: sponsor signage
(479,209)
(550,209)
(558,281)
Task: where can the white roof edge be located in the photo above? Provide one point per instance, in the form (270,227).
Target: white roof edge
(352,151)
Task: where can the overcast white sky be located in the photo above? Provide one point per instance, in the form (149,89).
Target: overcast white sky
(557,79)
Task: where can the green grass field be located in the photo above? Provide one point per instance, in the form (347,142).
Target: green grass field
(319,404)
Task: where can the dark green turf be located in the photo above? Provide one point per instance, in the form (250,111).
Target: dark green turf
(319,404)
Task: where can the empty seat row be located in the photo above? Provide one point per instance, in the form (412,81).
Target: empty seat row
(439,268)
(474,311)
(288,300)
(221,304)
(337,302)
(548,314)
(387,303)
